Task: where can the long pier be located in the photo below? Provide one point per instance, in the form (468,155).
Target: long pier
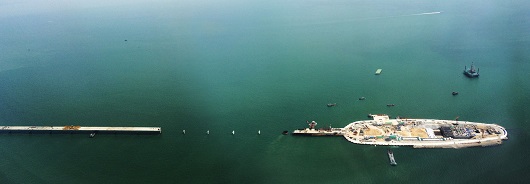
(80,129)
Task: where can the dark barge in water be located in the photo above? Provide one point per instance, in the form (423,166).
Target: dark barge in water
(471,73)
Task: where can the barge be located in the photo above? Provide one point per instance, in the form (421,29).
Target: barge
(312,131)
(391,158)
(378,71)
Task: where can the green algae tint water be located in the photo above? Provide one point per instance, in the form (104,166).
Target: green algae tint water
(248,66)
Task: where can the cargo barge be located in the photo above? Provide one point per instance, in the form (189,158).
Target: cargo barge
(311,131)
(391,158)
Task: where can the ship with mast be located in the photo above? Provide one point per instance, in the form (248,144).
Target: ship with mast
(471,73)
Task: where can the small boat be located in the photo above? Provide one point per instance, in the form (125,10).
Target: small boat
(391,157)
(332,104)
(233,132)
(92,135)
(362,98)
(259,132)
(390,105)
(183,131)
(285,132)
(454,93)
(207,132)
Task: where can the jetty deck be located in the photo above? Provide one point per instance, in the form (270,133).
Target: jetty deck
(320,132)
(79,129)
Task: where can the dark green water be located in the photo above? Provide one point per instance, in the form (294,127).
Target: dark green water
(249,66)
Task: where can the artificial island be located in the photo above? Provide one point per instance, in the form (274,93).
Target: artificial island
(418,133)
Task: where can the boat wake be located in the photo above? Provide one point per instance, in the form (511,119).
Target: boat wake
(369,18)
(408,15)
(429,13)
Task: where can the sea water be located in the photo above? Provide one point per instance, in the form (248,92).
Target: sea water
(245,66)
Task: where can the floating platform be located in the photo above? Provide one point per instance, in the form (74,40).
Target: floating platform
(80,129)
(378,71)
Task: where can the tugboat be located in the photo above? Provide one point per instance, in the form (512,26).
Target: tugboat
(285,132)
(332,104)
(471,73)
(391,157)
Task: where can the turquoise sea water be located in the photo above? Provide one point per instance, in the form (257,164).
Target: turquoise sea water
(249,66)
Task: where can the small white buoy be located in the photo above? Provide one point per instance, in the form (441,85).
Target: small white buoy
(233,132)
(259,132)
(207,132)
(183,131)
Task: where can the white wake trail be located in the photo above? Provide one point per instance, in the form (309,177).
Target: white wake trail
(429,13)
(368,18)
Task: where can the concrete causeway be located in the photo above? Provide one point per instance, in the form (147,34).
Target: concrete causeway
(79,129)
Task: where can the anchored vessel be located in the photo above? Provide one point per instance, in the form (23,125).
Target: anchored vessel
(391,157)
(424,133)
(311,131)
(378,71)
(471,73)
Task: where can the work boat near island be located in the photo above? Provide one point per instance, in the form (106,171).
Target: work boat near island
(424,133)
(418,133)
